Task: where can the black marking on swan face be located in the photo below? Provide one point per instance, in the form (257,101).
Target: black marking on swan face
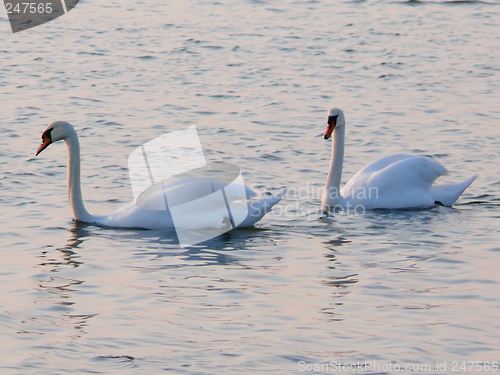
(46,141)
(48,133)
(332,120)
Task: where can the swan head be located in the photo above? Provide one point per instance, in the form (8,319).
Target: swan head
(56,131)
(335,120)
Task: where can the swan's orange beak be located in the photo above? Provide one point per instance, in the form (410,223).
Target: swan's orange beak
(46,141)
(331,123)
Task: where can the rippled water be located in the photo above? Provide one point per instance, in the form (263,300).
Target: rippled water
(256,78)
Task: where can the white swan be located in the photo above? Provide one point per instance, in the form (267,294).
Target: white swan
(132,216)
(395,181)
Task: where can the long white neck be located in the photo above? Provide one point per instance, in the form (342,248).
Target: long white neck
(74,189)
(331,194)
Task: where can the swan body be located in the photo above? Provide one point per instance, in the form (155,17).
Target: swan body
(133,216)
(393,182)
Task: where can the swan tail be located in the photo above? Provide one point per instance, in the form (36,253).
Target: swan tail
(257,208)
(449,193)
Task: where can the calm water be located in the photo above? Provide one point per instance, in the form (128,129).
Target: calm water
(256,78)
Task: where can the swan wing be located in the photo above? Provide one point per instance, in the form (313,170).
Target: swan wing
(193,183)
(381,163)
(417,172)
(185,190)
(360,178)
(403,183)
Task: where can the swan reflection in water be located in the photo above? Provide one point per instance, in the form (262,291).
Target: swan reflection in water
(220,250)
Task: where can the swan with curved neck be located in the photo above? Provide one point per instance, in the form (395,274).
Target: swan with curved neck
(133,216)
(395,181)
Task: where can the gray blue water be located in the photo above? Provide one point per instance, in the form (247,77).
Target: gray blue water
(256,77)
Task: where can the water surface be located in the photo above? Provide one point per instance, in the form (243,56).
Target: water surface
(256,78)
